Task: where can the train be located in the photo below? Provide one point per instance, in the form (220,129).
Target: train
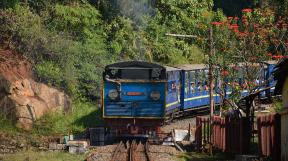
(138,96)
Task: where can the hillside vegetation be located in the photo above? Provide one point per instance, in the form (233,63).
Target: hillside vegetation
(70,41)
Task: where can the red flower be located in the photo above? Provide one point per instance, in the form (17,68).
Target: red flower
(216,23)
(229,18)
(242,34)
(247,10)
(277,56)
(269,54)
(225,73)
(236,30)
(234,26)
(236,18)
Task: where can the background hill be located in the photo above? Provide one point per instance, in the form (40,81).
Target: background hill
(69,42)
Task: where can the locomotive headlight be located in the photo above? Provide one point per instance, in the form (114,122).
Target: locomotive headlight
(155,95)
(113,94)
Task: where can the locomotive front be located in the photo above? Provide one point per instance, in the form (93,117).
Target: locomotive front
(133,97)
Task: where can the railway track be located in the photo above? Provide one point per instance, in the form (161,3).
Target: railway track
(131,151)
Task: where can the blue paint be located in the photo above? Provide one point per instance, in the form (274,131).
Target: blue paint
(135,106)
(173,90)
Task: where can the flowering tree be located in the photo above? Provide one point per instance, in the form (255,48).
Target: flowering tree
(245,42)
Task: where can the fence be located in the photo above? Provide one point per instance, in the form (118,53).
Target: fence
(269,135)
(226,134)
(203,131)
(234,135)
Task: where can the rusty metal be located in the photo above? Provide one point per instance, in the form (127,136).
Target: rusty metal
(226,134)
(229,134)
(269,135)
(120,153)
(139,151)
(132,151)
(203,131)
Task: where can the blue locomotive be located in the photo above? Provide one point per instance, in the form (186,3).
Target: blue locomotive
(138,96)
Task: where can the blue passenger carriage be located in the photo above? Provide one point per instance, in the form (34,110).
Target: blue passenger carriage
(173,89)
(195,87)
(261,74)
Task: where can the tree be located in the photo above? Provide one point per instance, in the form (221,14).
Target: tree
(242,43)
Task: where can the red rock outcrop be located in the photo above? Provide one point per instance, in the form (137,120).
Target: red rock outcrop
(23,100)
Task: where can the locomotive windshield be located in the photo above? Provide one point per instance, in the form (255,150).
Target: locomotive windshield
(135,74)
(134,70)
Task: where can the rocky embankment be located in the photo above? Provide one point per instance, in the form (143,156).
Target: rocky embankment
(23,100)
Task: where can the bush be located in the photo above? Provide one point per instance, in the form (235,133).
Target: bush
(73,64)
(83,115)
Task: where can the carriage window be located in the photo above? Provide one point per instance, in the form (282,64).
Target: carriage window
(175,75)
(205,80)
(261,77)
(192,82)
(198,75)
(170,75)
(187,82)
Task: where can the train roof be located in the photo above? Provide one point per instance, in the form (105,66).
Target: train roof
(270,62)
(171,68)
(192,66)
(133,64)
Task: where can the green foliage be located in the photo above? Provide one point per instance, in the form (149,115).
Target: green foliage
(83,115)
(48,72)
(7,126)
(8,3)
(67,63)
(43,156)
(81,21)
(181,17)
(126,39)
(278,106)
(204,156)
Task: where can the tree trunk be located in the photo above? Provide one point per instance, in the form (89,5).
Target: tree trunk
(211,78)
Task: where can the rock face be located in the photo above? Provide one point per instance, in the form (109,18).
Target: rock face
(23,100)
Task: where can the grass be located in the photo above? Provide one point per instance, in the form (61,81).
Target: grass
(7,126)
(82,116)
(195,156)
(42,156)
